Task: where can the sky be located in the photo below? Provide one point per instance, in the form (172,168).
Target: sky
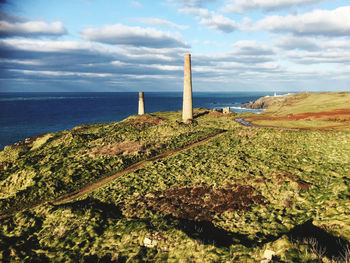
(139,45)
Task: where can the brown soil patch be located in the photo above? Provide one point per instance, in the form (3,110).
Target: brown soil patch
(199,203)
(288,203)
(132,148)
(146,119)
(338,115)
(302,185)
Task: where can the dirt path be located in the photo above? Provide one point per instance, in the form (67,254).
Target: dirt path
(136,166)
(87,189)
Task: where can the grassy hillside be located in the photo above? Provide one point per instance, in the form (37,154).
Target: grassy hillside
(309,110)
(51,165)
(232,199)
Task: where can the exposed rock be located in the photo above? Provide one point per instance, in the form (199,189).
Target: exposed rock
(149,242)
(265,102)
(268,254)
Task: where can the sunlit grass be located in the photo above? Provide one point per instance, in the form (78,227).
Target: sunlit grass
(298,176)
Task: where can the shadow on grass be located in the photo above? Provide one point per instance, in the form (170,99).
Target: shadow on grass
(206,233)
(105,209)
(195,116)
(319,241)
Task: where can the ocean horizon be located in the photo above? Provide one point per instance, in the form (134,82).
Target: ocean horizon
(27,114)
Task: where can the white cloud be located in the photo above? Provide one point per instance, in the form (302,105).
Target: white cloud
(134,36)
(318,57)
(49,46)
(242,6)
(192,3)
(316,51)
(243,52)
(62,73)
(211,19)
(76,60)
(21,62)
(161,22)
(248,63)
(292,42)
(219,22)
(252,47)
(31,28)
(136,4)
(318,22)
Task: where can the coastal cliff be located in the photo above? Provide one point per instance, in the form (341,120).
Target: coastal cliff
(265,102)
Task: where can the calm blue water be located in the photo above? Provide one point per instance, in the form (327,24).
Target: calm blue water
(24,115)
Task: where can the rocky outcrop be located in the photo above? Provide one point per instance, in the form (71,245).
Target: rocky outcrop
(265,102)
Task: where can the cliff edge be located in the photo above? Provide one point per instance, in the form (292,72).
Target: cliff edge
(265,102)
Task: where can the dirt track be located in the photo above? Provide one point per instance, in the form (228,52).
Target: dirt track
(91,187)
(95,185)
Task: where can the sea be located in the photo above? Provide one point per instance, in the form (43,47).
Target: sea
(24,115)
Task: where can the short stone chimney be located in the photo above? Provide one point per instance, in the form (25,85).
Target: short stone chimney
(141,104)
(187,111)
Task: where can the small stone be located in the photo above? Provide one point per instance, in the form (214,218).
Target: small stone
(149,243)
(268,254)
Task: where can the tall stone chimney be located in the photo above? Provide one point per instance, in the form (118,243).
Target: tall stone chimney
(141,104)
(187,111)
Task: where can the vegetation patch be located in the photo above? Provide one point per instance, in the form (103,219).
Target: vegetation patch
(132,148)
(146,119)
(200,202)
(52,165)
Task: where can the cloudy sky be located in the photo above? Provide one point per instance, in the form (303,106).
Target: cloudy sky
(131,45)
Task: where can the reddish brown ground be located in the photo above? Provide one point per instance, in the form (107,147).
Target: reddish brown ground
(341,116)
(199,202)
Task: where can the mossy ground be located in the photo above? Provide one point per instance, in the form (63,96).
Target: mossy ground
(227,200)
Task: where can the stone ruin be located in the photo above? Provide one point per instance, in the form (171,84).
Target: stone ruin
(226,110)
